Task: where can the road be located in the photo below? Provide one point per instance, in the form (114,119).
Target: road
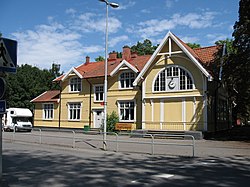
(216,163)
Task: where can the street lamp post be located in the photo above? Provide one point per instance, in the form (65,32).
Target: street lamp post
(113,5)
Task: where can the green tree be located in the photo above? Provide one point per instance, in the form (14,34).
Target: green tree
(112,119)
(194,45)
(237,65)
(99,58)
(28,83)
(145,48)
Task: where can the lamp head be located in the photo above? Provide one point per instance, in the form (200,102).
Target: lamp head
(114,5)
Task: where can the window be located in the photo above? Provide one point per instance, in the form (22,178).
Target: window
(127,79)
(173,78)
(98,96)
(75,84)
(127,110)
(222,110)
(48,111)
(74,111)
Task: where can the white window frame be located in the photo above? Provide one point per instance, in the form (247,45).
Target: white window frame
(69,108)
(131,81)
(119,111)
(79,81)
(95,92)
(48,111)
(165,82)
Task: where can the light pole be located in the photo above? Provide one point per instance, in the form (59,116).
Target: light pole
(113,5)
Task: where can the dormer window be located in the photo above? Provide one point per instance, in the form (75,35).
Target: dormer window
(75,84)
(127,79)
(173,78)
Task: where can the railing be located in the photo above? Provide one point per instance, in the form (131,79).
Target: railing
(174,126)
(116,138)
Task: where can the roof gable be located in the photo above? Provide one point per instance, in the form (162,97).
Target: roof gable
(121,65)
(48,96)
(165,48)
(72,70)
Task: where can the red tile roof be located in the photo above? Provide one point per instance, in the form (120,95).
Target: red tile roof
(204,55)
(48,96)
(96,69)
(207,54)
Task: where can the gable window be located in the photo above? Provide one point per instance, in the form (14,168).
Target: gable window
(127,79)
(74,111)
(98,96)
(126,110)
(173,78)
(75,84)
(48,111)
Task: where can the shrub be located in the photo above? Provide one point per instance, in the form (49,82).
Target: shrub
(112,119)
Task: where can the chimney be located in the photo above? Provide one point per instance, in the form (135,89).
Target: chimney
(134,54)
(87,60)
(126,54)
(112,55)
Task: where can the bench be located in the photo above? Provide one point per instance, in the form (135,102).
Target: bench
(123,126)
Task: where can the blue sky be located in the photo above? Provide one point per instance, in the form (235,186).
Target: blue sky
(66,31)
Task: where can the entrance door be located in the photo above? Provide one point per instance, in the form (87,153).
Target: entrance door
(98,118)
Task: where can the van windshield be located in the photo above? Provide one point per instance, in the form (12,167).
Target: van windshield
(20,119)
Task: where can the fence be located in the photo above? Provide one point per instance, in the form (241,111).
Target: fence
(71,138)
(174,126)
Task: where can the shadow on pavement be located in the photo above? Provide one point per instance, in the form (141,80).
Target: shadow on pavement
(43,168)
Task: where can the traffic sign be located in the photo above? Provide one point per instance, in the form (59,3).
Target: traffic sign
(2,106)
(8,55)
(2,87)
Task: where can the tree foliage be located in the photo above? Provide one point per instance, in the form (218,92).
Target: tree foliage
(99,58)
(237,64)
(145,48)
(194,45)
(112,119)
(28,83)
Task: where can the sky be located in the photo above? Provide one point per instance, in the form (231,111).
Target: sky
(66,31)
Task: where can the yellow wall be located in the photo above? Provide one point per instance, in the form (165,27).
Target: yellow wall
(114,94)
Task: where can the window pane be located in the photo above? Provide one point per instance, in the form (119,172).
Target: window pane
(182,79)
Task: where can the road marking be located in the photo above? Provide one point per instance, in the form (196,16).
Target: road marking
(166,176)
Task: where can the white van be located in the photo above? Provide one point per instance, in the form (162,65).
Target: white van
(17,119)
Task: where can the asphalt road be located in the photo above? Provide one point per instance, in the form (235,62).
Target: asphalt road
(216,163)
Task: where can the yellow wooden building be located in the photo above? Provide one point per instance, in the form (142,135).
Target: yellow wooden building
(173,89)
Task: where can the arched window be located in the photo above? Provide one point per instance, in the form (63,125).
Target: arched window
(173,78)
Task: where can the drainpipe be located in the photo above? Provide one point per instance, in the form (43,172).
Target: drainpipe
(90,91)
(60,104)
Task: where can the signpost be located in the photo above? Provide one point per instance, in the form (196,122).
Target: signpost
(8,64)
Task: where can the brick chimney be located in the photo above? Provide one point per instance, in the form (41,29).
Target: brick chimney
(134,54)
(87,60)
(112,55)
(126,53)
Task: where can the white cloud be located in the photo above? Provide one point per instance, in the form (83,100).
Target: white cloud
(47,44)
(115,40)
(92,49)
(215,37)
(146,11)
(70,11)
(188,39)
(90,22)
(170,3)
(127,5)
(155,27)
